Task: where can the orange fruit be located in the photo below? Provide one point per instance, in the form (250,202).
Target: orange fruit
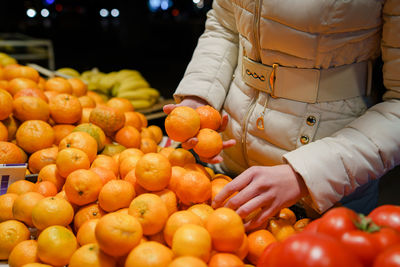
(50,94)
(21,187)
(194,187)
(91,255)
(150,211)
(127,165)
(105,175)
(34,135)
(6,104)
(3,132)
(79,88)
(176,175)
(301,224)
(50,173)
(12,232)
(35,92)
(86,233)
(31,108)
(41,83)
(86,102)
(56,244)
(61,131)
(176,220)
(115,195)
(209,144)
(118,233)
(166,151)
(131,178)
(85,213)
(112,149)
(121,104)
(23,205)
(96,97)
(36,264)
(225,260)
(258,241)
(192,240)
(185,261)
(148,145)
(287,214)
(128,136)
(153,171)
(10,153)
(169,198)
(82,186)
(107,118)
(95,131)
(18,84)
(209,117)
(216,187)
(130,152)
(12,125)
(226,229)
(85,115)
(6,204)
(58,84)
(52,211)
(181,157)
(41,158)
(82,141)
(202,211)
(198,168)
(65,108)
(71,159)
(182,123)
(143,119)
(281,228)
(21,72)
(106,162)
(243,249)
(149,254)
(157,237)
(23,253)
(46,188)
(133,119)
(157,133)
(146,133)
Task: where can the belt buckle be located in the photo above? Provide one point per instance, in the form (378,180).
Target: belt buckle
(272,78)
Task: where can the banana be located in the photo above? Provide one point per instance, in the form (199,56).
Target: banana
(141,103)
(128,85)
(142,93)
(69,71)
(107,82)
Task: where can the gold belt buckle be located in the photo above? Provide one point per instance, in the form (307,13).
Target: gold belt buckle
(272,79)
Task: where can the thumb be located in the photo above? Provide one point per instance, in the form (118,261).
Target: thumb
(168,108)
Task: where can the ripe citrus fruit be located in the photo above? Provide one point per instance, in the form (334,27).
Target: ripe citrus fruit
(6,104)
(118,233)
(116,194)
(209,144)
(34,135)
(133,119)
(79,88)
(65,108)
(23,206)
(23,253)
(6,204)
(42,158)
(202,211)
(12,232)
(209,117)
(30,108)
(20,187)
(3,132)
(95,131)
(105,175)
(46,188)
(18,84)
(107,118)
(86,233)
(128,136)
(20,71)
(82,187)
(52,211)
(169,198)
(153,171)
(50,173)
(71,159)
(184,261)
(225,260)
(35,92)
(258,241)
(149,254)
(181,157)
(182,123)
(121,104)
(91,255)
(148,145)
(58,84)
(86,102)
(82,141)
(193,187)
(10,153)
(150,211)
(56,244)
(85,213)
(61,131)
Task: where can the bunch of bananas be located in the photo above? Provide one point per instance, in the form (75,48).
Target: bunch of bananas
(125,83)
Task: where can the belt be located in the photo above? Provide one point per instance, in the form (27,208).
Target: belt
(309,85)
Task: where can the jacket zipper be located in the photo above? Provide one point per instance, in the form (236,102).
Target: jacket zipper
(256,26)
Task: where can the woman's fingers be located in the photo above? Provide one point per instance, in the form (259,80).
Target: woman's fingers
(168,108)
(246,196)
(229,143)
(213,160)
(261,218)
(224,122)
(190,143)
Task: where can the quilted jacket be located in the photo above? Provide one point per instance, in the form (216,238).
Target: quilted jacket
(348,142)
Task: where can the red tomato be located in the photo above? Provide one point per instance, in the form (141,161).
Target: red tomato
(388,258)
(386,237)
(386,215)
(309,250)
(338,221)
(362,244)
(312,227)
(268,253)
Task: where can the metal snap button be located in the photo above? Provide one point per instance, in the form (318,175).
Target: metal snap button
(311,120)
(304,139)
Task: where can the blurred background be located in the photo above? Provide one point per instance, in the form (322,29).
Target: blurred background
(155,37)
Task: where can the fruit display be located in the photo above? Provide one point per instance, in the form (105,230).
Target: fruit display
(125,83)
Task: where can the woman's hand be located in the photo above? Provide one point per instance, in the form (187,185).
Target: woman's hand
(268,188)
(195,102)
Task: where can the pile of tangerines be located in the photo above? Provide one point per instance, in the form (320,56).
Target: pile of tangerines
(107,194)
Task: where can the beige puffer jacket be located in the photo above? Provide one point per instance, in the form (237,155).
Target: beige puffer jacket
(349,143)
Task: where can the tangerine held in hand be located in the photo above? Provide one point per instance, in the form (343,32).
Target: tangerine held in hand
(182,123)
(209,144)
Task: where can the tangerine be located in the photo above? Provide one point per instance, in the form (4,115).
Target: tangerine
(58,84)
(209,143)
(65,108)
(31,108)
(153,172)
(71,159)
(52,211)
(209,117)
(115,195)
(6,104)
(34,135)
(107,118)
(182,123)
(82,186)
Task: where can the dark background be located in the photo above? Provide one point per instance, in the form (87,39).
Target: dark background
(158,43)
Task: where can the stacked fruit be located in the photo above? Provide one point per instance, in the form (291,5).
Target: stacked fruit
(125,83)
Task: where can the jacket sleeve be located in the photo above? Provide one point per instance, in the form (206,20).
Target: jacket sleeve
(368,147)
(214,60)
